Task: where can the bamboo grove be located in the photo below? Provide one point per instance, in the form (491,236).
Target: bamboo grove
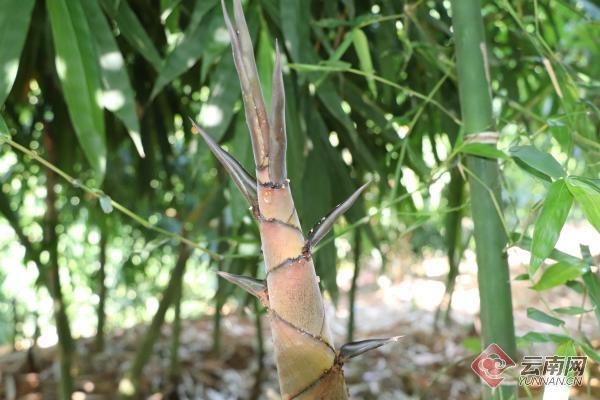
(461,130)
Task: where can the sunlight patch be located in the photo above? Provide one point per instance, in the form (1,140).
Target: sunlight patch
(112,61)
(112,100)
(210,115)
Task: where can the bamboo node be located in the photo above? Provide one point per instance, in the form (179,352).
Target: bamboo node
(486,137)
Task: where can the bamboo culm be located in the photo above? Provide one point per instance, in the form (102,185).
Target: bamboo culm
(497,324)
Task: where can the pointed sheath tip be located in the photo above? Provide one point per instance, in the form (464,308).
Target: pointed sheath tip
(354,349)
(242,179)
(255,287)
(322,228)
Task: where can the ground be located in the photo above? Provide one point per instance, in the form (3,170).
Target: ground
(427,363)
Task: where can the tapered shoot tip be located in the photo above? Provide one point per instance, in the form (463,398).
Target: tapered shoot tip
(354,349)
(245,64)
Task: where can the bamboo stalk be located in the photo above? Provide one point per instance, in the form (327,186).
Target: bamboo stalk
(101,313)
(490,238)
(129,384)
(352,293)
(63,328)
(174,367)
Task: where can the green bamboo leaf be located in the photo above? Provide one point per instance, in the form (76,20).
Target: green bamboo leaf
(80,78)
(590,352)
(132,30)
(483,150)
(571,310)
(543,337)
(14,24)
(592,284)
(560,132)
(567,349)
(3,127)
(549,223)
(539,163)
(189,50)
(587,193)
(316,184)
(333,103)
(264,62)
(540,316)
(559,274)
(118,96)
(294,15)
(361,46)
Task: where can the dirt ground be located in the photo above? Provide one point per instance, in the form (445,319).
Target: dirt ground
(427,363)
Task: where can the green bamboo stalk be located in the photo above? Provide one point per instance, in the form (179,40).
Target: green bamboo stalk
(63,328)
(174,368)
(490,238)
(100,312)
(352,294)
(453,238)
(15,331)
(129,384)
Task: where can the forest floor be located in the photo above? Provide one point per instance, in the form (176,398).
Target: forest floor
(427,363)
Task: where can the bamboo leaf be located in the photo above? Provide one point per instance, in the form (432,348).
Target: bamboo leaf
(543,337)
(521,277)
(543,163)
(354,349)
(118,95)
(558,274)
(483,150)
(133,31)
(361,46)
(14,24)
(587,193)
(540,316)
(590,352)
(324,226)
(80,78)
(591,281)
(316,184)
(561,133)
(242,179)
(189,50)
(549,223)
(571,310)
(294,14)
(592,284)
(264,61)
